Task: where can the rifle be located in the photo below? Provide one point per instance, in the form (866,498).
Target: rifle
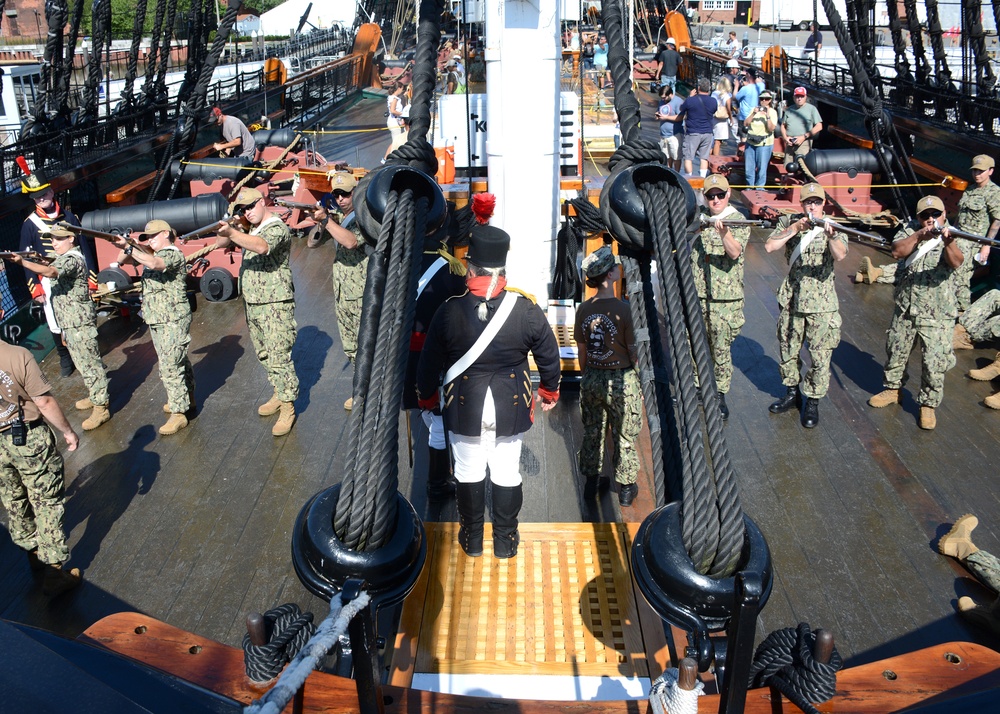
(993,243)
(325,202)
(212,228)
(29,255)
(736,222)
(871,237)
(110,237)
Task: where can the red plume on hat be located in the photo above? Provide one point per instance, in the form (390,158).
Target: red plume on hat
(483,205)
(23,163)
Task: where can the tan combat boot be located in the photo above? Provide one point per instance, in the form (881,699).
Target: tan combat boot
(349,404)
(980,615)
(957,542)
(174,424)
(873,273)
(990,371)
(960,339)
(58,581)
(993,401)
(97,417)
(863,267)
(885,398)
(928,420)
(285,419)
(271,406)
(84,404)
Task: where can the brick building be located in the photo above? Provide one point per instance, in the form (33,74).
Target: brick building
(726,12)
(24,19)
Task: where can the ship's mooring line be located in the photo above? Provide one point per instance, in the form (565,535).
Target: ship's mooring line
(295,675)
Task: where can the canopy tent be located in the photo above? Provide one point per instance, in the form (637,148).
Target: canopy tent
(324,14)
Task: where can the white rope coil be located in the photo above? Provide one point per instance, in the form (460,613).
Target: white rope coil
(665,697)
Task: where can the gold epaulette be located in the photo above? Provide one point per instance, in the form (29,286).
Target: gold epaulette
(455,266)
(523,293)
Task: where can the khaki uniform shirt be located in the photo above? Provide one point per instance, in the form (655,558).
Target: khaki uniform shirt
(164,292)
(923,290)
(267,278)
(809,287)
(717,276)
(70,296)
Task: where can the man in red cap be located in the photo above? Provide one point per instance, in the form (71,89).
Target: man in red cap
(236,138)
(480,342)
(799,126)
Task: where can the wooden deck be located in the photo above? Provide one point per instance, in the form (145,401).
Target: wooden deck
(194,529)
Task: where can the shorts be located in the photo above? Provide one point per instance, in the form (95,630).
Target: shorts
(671,146)
(697,146)
(720,132)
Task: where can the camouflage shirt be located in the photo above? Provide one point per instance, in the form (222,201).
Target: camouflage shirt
(71,301)
(350,270)
(717,276)
(924,289)
(978,208)
(164,292)
(267,278)
(809,287)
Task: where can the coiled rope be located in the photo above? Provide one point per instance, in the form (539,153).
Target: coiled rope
(290,630)
(365,514)
(712,518)
(785,661)
(566,284)
(326,636)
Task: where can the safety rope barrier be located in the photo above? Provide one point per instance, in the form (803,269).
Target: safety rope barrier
(295,675)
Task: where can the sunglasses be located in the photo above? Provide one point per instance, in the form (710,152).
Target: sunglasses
(715,195)
(930,214)
(341,194)
(812,202)
(765,99)
(241,210)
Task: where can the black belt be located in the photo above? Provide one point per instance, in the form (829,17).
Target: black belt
(29,424)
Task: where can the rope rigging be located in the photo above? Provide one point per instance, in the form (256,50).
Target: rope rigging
(100,40)
(985,79)
(902,64)
(51,70)
(923,68)
(126,105)
(197,45)
(366,509)
(149,96)
(62,91)
(712,522)
(942,73)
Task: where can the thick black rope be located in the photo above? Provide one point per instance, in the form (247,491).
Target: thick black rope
(588,216)
(290,630)
(148,89)
(52,61)
(127,103)
(902,62)
(942,73)
(923,68)
(100,41)
(62,86)
(985,79)
(785,661)
(160,83)
(712,519)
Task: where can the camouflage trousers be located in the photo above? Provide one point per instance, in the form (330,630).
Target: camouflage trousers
(986,567)
(171,341)
(723,321)
(32,489)
(936,353)
(347,302)
(83,348)
(272,331)
(982,319)
(888,275)
(963,274)
(610,397)
(822,331)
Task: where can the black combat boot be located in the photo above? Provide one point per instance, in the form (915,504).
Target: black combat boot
(471,500)
(723,407)
(810,415)
(593,484)
(506,507)
(66,366)
(627,493)
(440,482)
(791,399)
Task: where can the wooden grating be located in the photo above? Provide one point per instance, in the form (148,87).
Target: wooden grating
(564,606)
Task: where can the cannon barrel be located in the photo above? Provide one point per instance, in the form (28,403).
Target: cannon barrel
(211,169)
(274,137)
(849,161)
(183,214)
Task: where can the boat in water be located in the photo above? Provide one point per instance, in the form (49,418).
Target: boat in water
(194,531)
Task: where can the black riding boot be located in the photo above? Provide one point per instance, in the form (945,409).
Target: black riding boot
(791,399)
(506,507)
(66,366)
(471,500)
(440,482)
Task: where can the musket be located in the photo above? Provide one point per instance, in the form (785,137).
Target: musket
(736,222)
(325,201)
(993,243)
(872,237)
(211,229)
(29,255)
(110,237)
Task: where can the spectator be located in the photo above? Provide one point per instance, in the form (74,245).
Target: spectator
(601,60)
(667,63)
(720,129)
(749,99)
(697,111)
(671,132)
(799,126)
(760,126)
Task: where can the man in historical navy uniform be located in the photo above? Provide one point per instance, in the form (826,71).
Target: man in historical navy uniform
(165,308)
(266,284)
(480,342)
(925,309)
(809,311)
(32,484)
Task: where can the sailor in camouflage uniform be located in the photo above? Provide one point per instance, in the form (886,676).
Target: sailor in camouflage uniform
(978,213)
(717,264)
(76,315)
(807,300)
(610,394)
(32,485)
(925,309)
(266,283)
(350,269)
(165,308)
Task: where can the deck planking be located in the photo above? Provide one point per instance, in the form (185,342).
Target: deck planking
(195,529)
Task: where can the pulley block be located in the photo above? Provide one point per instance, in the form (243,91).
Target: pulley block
(376,187)
(624,200)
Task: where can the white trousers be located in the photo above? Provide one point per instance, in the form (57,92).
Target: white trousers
(435,429)
(474,453)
